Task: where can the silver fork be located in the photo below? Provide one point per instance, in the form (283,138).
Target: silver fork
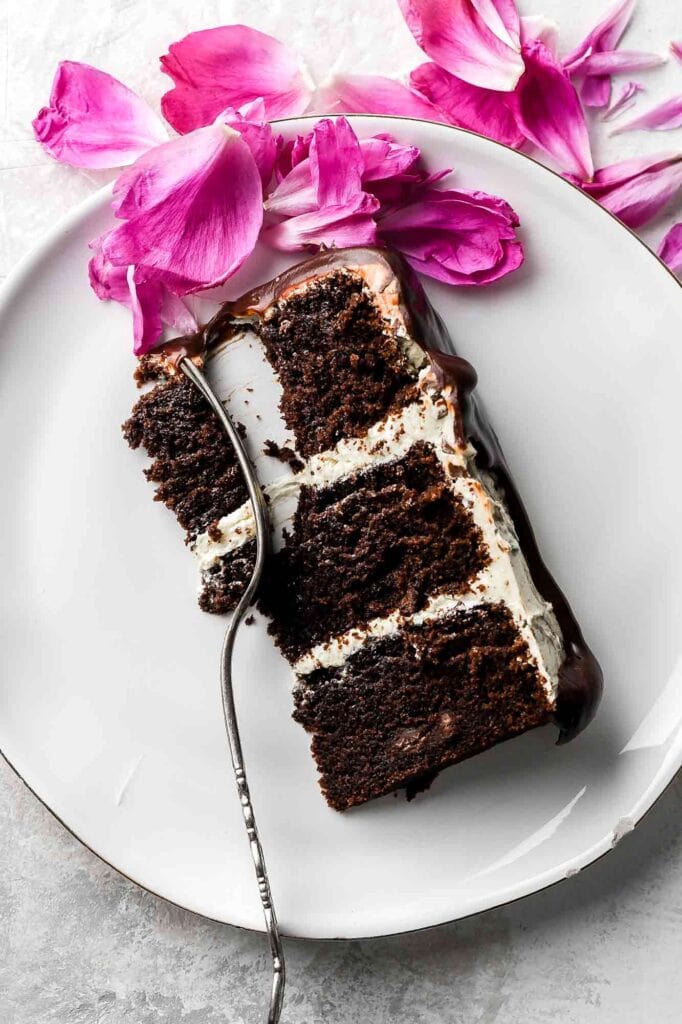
(198,378)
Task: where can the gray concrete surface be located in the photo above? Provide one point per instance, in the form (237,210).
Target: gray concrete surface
(81,945)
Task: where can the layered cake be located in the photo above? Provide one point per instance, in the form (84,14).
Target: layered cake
(405,587)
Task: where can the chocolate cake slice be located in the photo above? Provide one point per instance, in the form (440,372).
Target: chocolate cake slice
(405,588)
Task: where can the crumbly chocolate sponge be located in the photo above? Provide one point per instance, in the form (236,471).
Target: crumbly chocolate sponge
(404,707)
(340,369)
(196,471)
(224,583)
(385,539)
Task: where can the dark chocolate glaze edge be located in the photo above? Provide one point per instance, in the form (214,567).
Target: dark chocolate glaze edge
(580,679)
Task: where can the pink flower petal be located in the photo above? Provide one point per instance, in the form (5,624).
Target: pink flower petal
(291,153)
(596,91)
(149,180)
(664,117)
(149,300)
(145,303)
(175,313)
(598,67)
(637,190)
(153,306)
(468,106)
(670,249)
(325,190)
(109,283)
(461,238)
(677,50)
(228,67)
(502,18)
(372,94)
(383,161)
(295,193)
(613,62)
(623,101)
(537,26)
(251,124)
(336,163)
(195,210)
(548,111)
(330,226)
(392,174)
(394,193)
(383,157)
(476,40)
(95,121)
(604,36)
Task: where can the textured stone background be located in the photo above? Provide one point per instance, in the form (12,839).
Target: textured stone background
(80,944)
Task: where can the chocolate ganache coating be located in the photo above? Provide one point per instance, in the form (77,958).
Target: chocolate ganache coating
(580,680)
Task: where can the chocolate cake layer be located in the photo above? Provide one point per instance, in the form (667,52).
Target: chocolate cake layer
(405,706)
(383,540)
(340,369)
(197,473)
(223,584)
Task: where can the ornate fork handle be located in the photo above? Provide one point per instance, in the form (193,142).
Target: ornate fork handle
(198,378)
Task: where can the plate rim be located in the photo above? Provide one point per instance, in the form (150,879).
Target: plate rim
(538,883)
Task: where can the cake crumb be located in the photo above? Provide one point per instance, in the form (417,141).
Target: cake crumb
(284,453)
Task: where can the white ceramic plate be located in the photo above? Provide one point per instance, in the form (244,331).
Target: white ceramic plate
(109,704)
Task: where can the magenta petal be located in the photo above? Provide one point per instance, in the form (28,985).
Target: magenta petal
(476,40)
(147,297)
(109,283)
(670,249)
(604,36)
(195,209)
(384,163)
(596,91)
(338,165)
(637,190)
(623,101)
(295,194)
(336,162)
(596,57)
(537,26)
(145,303)
(176,314)
(331,226)
(548,111)
(330,176)
(664,117)
(291,153)
(677,50)
(596,88)
(392,171)
(95,121)
(250,122)
(327,189)
(372,94)
(468,106)
(153,306)
(227,67)
(461,238)
(383,157)
(613,62)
